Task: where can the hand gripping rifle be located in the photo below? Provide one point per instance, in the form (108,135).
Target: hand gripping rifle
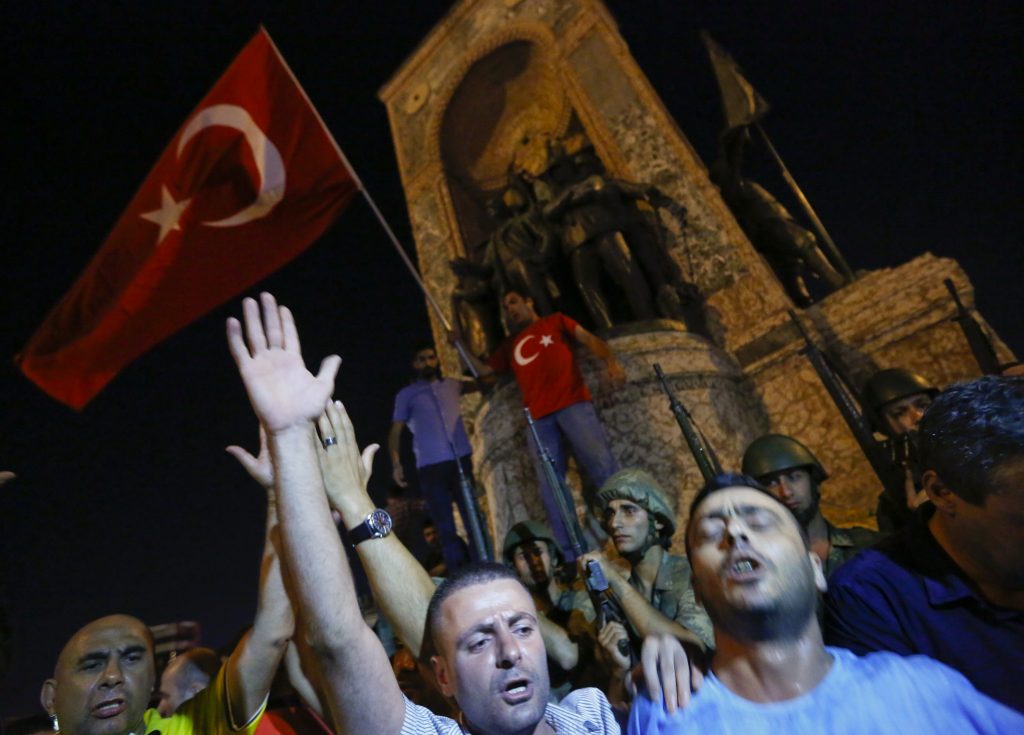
(703,454)
(883,459)
(606,604)
(981,347)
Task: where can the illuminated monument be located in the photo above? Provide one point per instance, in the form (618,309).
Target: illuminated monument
(501,91)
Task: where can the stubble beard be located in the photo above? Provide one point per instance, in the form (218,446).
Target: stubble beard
(781,619)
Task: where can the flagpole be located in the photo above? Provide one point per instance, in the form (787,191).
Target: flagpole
(833,251)
(419,280)
(380,217)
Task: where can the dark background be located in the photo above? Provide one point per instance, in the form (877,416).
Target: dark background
(901,121)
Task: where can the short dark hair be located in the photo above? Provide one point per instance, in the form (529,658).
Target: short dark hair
(423,344)
(465,576)
(518,291)
(726,480)
(969,430)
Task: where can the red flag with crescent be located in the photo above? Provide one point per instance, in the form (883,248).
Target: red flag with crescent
(250,180)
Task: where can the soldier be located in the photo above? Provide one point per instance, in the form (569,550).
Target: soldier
(794,475)
(895,400)
(566,614)
(656,597)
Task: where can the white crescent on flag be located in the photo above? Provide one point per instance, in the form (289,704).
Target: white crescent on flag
(268,159)
(519,352)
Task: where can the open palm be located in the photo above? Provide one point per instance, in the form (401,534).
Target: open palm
(282,391)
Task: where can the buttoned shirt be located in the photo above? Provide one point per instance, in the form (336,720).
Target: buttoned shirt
(583,712)
(908,596)
(431,410)
(672,596)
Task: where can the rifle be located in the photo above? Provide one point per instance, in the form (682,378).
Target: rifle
(703,454)
(882,458)
(981,347)
(606,603)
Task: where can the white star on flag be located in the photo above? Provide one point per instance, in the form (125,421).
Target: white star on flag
(168,215)
(546,341)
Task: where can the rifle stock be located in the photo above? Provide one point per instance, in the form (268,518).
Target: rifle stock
(981,347)
(703,454)
(889,473)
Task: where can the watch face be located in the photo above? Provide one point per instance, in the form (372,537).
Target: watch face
(379,522)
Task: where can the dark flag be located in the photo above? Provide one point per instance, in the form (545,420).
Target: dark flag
(741,104)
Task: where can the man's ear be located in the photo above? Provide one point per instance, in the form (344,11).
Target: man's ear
(47,695)
(944,499)
(444,683)
(819,572)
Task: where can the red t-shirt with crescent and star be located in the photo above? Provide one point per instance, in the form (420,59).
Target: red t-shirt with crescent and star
(544,365)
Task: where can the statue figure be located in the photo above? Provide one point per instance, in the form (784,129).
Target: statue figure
(676,298)
(592,216)
(791,250)
(519,252)
(475,307)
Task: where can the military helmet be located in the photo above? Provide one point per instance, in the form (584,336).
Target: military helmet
(526,531)
(641,488)
(777,453)
(890,385)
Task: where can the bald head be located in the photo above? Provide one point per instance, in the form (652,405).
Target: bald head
(123,623)
(103,678)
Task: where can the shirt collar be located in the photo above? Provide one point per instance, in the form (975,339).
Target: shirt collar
(566,722)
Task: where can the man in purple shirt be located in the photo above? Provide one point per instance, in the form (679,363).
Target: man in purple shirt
(429,406)
(951,585)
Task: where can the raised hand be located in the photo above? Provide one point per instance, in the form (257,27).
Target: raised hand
(346,471)
(283,393)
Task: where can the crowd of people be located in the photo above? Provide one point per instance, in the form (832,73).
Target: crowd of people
(769,619)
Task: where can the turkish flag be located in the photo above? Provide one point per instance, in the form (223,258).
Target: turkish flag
(250,180)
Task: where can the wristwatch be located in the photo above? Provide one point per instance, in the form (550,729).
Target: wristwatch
(376,525)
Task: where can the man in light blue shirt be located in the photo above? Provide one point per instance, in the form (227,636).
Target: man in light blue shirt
(429,406)
(758,580)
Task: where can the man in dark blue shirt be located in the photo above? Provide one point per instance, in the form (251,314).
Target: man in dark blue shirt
(951,585)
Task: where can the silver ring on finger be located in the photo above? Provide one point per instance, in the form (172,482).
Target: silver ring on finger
(330,441)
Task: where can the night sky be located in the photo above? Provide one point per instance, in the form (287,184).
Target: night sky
(902,122)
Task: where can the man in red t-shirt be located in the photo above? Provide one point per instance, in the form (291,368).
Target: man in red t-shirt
(539,352)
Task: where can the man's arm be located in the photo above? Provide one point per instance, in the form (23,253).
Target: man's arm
(562,649)
(600,349)
(400,585)
(645,619)
(252,665)
(394,447)
(362,692)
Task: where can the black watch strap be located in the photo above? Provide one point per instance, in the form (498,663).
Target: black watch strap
(376,525)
